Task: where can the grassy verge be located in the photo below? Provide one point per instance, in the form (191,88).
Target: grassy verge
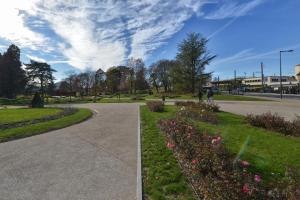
(23,114)
(30,130)
(268,152)
(162,177)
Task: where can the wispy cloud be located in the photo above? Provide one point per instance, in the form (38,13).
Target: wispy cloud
(249,54)
(232,10)
(93,34)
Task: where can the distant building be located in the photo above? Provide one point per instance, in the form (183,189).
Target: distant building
(290,84)
(297,72)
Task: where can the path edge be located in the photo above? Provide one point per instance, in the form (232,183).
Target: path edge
(139,191)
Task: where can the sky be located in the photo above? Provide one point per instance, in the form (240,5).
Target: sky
(79,35)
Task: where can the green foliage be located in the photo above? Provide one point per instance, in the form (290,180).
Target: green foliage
(37,101)
(41,72)
(12,76)
(193,57)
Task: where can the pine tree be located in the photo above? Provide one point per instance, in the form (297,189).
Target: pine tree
(12,76)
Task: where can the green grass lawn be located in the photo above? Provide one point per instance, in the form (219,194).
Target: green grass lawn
(24,114)
(269,153)
(29,130)
(162,177)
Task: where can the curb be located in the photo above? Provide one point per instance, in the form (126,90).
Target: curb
(139,191)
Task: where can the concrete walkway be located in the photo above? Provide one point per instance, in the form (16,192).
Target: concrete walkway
(96,159)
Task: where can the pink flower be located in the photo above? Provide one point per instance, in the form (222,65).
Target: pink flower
(194,161)
(246,189)
(257,178)
(244,163)
(170,145)
(216,140)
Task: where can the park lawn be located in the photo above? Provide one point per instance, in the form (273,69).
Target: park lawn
(269,153)
(162,176)
(34,129)
(23,114)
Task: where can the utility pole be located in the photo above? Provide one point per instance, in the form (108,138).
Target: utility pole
(234,79)
(262,77)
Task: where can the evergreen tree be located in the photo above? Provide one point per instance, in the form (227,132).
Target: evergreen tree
(12,76)
(40,73)
(193,57)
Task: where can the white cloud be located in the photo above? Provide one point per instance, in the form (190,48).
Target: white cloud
(249,54)
(35,58)
(93,34)
(233,9)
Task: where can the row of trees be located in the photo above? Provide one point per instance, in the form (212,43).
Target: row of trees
(185,74)
(16,78)
(120,79)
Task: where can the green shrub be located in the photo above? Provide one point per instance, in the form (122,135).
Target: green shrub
(217,174)
(155,106)
(37,101)
(276,123)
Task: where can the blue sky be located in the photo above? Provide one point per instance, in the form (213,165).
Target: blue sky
(76,35)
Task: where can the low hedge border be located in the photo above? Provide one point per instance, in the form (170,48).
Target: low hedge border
(43,127)
(65,112)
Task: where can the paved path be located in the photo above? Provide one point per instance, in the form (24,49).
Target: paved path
(96,159)
(286,108)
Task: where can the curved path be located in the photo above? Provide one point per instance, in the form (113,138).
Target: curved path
(96,159)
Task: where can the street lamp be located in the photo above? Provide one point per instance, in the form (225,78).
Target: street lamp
(285,51)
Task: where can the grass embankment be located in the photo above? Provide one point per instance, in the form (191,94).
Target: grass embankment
(268,152)
(24,114)
(162,177)
(34,129)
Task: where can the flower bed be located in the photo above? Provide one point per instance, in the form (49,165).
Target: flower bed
(197,113)
(216,174)
(155,106)
(276,123)
(201,105)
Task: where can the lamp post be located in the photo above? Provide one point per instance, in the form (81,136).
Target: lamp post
(285,51)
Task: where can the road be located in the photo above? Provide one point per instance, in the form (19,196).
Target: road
(96,159)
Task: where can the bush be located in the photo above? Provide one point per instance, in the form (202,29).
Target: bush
(276,123)
(198,114)
(208,107)
(214,172)
(37,101)
(155,106)
(138,98)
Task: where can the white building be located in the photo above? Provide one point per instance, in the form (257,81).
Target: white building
(297,72)
(273,82)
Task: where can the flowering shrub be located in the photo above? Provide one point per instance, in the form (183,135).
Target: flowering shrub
(197,113)
(212,170)
(276,123)
(203,106)
(155,106)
